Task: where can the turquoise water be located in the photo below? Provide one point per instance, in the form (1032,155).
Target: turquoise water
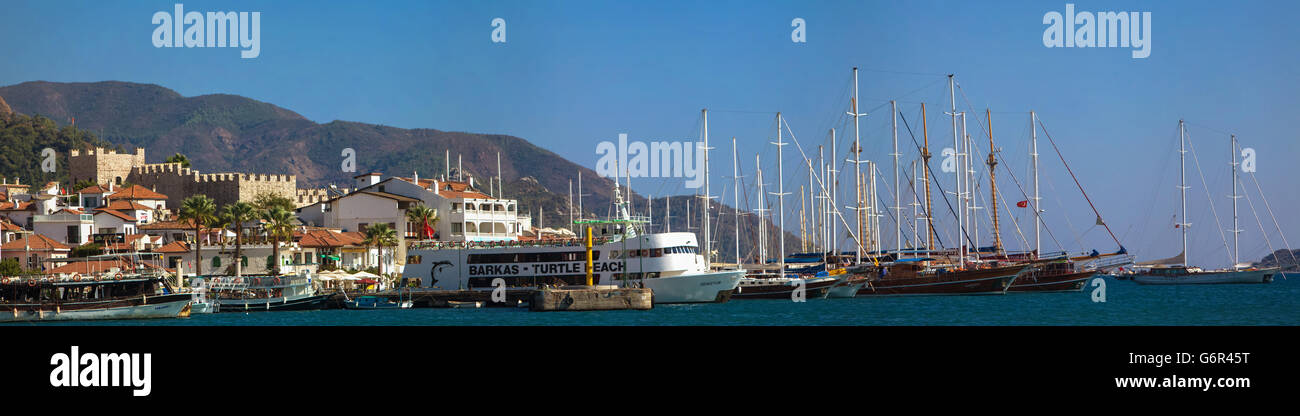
(1127,303)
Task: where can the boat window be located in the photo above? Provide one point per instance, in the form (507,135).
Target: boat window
(658,252)
(413,259)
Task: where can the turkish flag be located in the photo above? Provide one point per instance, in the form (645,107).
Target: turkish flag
(1023,204)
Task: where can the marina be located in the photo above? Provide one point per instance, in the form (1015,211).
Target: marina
(1126,304)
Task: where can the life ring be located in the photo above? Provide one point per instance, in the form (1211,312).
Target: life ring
(76,277)
(117,276)
(239,280)
(275,281)
(31,282)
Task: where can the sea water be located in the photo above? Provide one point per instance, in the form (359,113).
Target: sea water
(1126,303)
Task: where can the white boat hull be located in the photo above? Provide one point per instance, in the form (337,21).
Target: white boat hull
(147,311)
(711,287)
(1208,278)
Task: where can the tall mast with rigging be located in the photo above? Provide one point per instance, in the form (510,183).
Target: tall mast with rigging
(993,186)
(780,190)
(708,242)
(1038,212)
(1236,244)
(762,212)
(957,175)
(857,161)
(735,189)
(1182,184)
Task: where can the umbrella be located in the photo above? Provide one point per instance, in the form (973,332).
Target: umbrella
(368,281)
(366,274)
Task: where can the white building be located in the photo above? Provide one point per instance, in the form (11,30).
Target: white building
(65,226)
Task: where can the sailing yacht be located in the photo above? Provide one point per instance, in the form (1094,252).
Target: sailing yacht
(1176,270)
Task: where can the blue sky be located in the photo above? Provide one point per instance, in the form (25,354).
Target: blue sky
(573,73)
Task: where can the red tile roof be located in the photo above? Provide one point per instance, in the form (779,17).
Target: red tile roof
(115,213)
(170,225)
(126,205)
(174,247)
(136,192)
(15,206)
(94,189)
(38,243)
(326,238)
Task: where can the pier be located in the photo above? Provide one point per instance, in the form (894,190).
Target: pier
(591,298)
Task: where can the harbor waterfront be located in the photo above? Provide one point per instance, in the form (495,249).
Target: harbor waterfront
(1126,304)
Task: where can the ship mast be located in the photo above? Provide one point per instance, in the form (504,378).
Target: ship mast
(993,186)
(857,161)
(735,189)
(925,175)
(1038,218)
(957,175)
(708,242)
(762,216)
(898,191)
(780,190)
(1236,244)
(835,184)
(1182,184)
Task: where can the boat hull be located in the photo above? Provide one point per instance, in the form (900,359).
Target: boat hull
(713,287)
(272,304)
(814,289)
(846,289)
(971,282)
(162,307)
(1209,278)
(1066,282)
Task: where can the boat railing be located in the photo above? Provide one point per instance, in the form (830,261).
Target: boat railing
(549,242)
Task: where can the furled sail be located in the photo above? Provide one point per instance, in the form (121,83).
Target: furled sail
(1179,259)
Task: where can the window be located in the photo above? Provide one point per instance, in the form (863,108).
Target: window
(362,226)
(413,259)
(455,207)
(457,228)
(74,234)
(216,262)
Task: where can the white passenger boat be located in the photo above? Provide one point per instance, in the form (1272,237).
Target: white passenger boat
(670,264)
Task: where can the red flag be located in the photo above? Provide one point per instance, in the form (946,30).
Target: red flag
(1023,204)
(1176,225)
(428,231)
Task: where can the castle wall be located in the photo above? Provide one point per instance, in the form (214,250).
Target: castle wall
(102,166)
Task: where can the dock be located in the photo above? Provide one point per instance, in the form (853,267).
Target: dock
(438,298)
(592,298)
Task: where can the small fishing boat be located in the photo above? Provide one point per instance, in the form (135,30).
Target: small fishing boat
(464,304)
(376,302)
(24,299)
(265,293)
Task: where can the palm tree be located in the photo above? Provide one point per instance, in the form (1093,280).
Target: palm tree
(199,209)
(240,212)
(424,216)
(280,223)
(221,222)
(380,235)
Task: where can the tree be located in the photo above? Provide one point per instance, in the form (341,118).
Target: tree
(240,213)
(10,267)
(266,201)
(280,224)
(424,216)
(200,210)
(179,158)
(381,235)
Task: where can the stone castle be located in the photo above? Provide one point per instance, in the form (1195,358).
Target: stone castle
(108,166)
